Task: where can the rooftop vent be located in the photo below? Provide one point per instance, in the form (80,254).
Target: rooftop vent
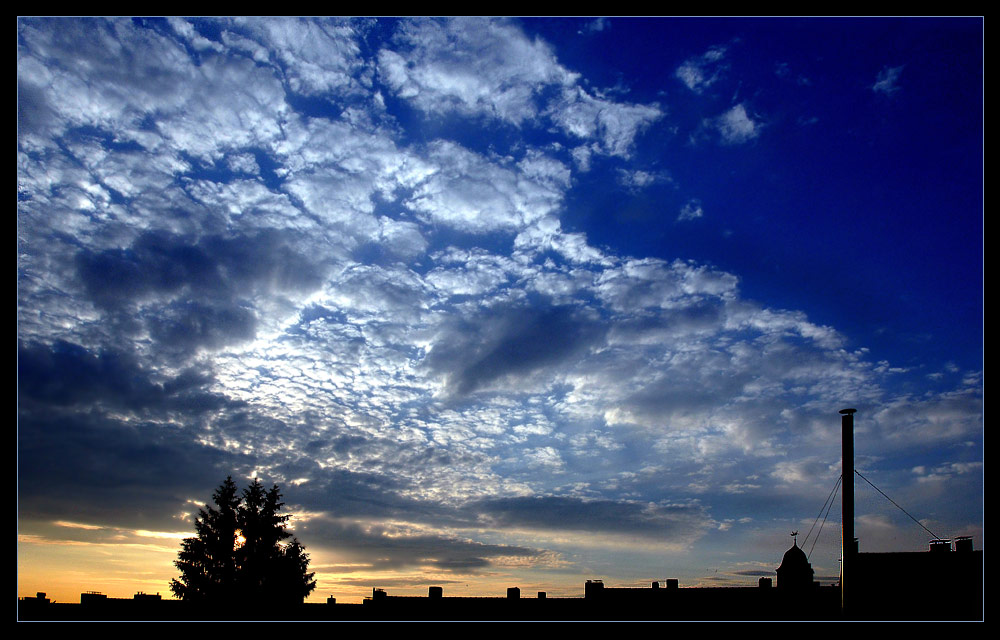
(940,545)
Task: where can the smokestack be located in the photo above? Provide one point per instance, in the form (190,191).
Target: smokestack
(847,499)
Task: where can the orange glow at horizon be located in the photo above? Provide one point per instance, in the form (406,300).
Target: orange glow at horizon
(64,568)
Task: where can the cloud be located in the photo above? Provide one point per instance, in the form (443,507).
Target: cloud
(946,471)
(471,193)
(907,421)
(381,547)
(650,284)
(189,326)
(509,343)
(317,56)
(472,66)
(736,126)
(677,523)
(888,80)
(108,471)
(476,67)
(471,272)
(701,72)
(194,294)
(691,210)
(614,125)
(596,25)
(802,472)
(637,180)
(65,375)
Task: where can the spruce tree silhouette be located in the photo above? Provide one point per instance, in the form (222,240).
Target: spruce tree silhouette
(240,554)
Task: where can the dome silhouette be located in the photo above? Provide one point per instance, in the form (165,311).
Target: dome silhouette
(795,572)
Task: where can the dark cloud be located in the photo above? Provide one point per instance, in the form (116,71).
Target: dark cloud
(186,326)
(344,444)
(161,264)
(418,581)
(510,341)
(685,392)
(383,547)
(68,375)
(33,111)
(96,469)
(351,494)
(156,263)
(700,316)
(647,520)
(267,261)
(103,439)
(194,294)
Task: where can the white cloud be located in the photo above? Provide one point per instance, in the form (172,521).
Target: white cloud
(317,56)
(691,210)
(888,80)
(471,193)
(943,417)
(638,179)
(473,272)
(802,472)
(703,71)
(243,163)
(736,126)
(596,25)
(186,30)
(471,65)
(475,67)
(581,156)
(944,472)
(614,125)
(401,238)
(651,283)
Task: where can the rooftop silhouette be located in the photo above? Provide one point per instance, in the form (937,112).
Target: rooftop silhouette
(942,583)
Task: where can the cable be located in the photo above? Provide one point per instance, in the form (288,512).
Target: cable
(816,539)
(828,500)
(933,535)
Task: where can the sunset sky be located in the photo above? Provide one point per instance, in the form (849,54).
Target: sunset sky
(496,302)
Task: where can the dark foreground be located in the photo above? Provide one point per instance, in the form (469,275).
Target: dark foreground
(682,604)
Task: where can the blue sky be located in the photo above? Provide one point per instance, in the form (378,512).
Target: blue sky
(497,302)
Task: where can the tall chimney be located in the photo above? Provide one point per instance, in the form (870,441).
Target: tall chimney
(847,500)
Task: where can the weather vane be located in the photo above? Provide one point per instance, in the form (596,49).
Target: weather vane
(794,535)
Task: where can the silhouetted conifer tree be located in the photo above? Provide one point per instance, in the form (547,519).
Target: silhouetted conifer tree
(240,553)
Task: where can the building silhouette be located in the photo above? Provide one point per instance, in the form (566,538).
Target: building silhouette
(795,573)
(940,583)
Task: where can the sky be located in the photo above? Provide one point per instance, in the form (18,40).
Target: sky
(496,302)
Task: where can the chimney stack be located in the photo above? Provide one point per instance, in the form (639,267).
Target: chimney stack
(847,499)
